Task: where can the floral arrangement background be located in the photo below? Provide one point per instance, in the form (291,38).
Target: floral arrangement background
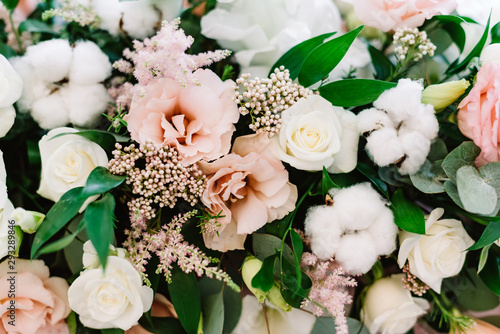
(249,166)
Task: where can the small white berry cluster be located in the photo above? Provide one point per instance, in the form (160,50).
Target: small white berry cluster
(161,181)
(265,99)
(412,43)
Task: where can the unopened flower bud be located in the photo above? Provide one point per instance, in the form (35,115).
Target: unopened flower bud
(29,221)
(275,297)
(442,95)
(250,268)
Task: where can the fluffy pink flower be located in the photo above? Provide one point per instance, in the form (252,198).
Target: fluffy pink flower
(41,301)
(389,15)
(196,119)
(479,114)
(249,187)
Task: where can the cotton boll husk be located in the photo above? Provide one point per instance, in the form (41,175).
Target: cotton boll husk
(423,121)
(416,147)
(373,119)
(139,19)
(33,88)
(384,231)
(384,147)
(356,253)
(401,101)
(51,59)
(357,206)
(50,112)
(90,65)
(110,13)
(85,103)
(321,225)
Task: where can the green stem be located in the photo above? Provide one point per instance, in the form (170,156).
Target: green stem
(16,33)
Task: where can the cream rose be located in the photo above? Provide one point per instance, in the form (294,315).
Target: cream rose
(6,209)
(114,298)
(389,308)
(438,254)
(315,134)
(67,162)
(11,87)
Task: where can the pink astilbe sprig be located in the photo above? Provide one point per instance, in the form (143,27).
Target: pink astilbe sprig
(329,289)
(169,246)
(164,56)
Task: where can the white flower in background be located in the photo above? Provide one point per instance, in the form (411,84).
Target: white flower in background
(67,162)
(11,86)
(438,254)
(6,209)
(115,298)
(314,134)
(355,230)
(90,258)
(479,10)
(253,320)
(260,31)
(28,221)
(399,129)
(389,308)
(490,54)
(62,84)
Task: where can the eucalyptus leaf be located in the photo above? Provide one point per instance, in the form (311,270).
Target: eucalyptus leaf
(265,245)
(325,325)
(213,313)
(483,258)
(452,191)
(407,215)
(428,178)
(438,150)
(346,93)
(476,195)
(490,234)
(463,155)
(232,309)
(186,298)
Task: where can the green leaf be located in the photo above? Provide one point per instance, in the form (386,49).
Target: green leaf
(298,248)
(32,25)
(346,93)
(327,183)
(264,279)
(491,271)
(99,220)
(463,155)
(265,245)
(293,293)
(476,52)
(438,150)
(58,216)
(483,258)
(10,4)
(383,66)
(324,325)
(452,25)
(295,57)
(112,331)
(373,177)
(102,180)
(186,299)
(162,325)
(476,195)
(495,33)
(490,234)
(7,51)
(232,309)
(452,191)
(63,242)
(428,178)
(323,59)
(71,322)
(213,313)
(102,138)
(407,215)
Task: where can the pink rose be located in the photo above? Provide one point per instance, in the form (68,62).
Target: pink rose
(249,187)
(389,15)
(478,114)
(197,120)
(41,301)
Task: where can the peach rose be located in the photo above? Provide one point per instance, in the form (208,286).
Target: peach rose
(198,120)
(162,307)
(249,187)
(389,15)
(478,115)
(41,301)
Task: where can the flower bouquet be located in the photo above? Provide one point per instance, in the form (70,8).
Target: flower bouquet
(249,166)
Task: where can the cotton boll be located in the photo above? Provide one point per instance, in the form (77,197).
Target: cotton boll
(357,206)
(110,13)
(322,227)
(139,19)
(90,65)
(50,112)
(384,147)
(373,119)
(416,147)
(85,103)
(401,101)
(356,253)
(33,88)
(170,9)
(51,59)
(423,121)
(384,232)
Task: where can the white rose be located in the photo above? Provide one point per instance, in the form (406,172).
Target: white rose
(115,298)
(389,308)
(315,134)
(11,87)
(67,162)
(90,257)
(438,254)
(259,39)
(6,209)
(490,54)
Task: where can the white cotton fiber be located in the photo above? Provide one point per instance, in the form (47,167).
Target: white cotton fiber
(50,59)
(33,88)
(85,103)
(384,146)
(139,19)
(356,253)
(384,231)
(372,119)
(401,101)
(423,121)
(416,147)
(90,65)
(50,112)
(110,13)
(323,229)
